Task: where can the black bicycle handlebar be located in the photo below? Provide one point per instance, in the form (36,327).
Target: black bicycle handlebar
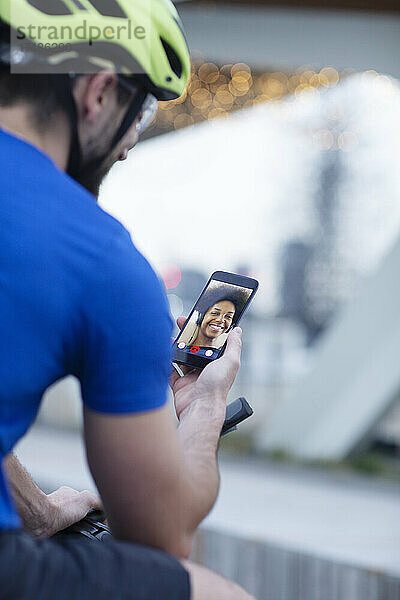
(236,412)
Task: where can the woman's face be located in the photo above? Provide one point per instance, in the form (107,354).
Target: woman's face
(218,319)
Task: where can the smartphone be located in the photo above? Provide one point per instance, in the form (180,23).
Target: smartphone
(218,310)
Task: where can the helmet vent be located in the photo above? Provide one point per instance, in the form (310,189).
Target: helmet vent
(109,8)
(50,7)
(79,5)
(173,58)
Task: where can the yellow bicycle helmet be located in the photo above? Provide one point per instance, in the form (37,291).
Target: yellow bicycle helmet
(132,37)
(141,40)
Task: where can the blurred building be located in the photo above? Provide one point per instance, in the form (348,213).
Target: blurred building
(295,260)
(286,140)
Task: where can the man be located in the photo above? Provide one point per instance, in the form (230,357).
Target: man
(76,297)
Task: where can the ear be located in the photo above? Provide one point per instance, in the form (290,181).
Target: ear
(96,93)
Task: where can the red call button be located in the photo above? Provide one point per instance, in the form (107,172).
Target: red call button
(194,349)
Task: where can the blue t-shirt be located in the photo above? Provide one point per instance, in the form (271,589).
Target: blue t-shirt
(76,297)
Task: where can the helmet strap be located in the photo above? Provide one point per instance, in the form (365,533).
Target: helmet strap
(64,90)
(63,86)
(131,114)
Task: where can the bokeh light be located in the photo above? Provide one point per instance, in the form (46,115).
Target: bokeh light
(324,139)
(214,91)
(347,141)
(171,275)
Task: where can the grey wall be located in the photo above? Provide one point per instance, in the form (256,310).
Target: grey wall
(355,379)
(287,38)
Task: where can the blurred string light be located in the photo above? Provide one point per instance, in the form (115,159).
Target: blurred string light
(215,91)
(324,139)
(337,136)
(347,141)
(171,275)
(327,139)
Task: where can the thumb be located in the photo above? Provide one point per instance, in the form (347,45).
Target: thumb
(181,322)
(234,344)
(89,501)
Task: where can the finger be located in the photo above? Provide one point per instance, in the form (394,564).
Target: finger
(175,376)
(90,501)
(181,369)
(181,322)
(234,345)
(186,369)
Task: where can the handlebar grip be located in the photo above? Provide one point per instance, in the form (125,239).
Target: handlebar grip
(236,412)
(96,516)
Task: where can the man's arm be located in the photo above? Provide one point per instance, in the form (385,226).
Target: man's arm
(43,515)
(158,483)
(200,403)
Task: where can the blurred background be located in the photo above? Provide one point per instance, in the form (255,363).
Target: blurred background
(282,162)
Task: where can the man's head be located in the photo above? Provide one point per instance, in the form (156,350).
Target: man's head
(101,104)
(104,107)
(101,107)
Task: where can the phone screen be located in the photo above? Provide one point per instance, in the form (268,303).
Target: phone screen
(215,314)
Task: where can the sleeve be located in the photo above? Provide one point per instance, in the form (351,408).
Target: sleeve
(126,354)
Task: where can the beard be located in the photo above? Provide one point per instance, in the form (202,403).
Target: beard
(93,180)
(98,163)
(92,176)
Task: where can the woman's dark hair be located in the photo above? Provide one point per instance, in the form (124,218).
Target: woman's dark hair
(237,297)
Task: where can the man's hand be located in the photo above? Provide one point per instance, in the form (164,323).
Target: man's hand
(66,507)
(44,515)
(166,477)
(214,381)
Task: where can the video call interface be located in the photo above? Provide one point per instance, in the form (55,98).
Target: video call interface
(215,314)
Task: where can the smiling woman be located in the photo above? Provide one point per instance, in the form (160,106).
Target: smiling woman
(217,320)
(215,314)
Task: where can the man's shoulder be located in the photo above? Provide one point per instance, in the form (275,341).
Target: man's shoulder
(36,183)
(83,207)
(89,234)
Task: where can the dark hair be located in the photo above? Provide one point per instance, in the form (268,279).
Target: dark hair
(37,90)
(237,297)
